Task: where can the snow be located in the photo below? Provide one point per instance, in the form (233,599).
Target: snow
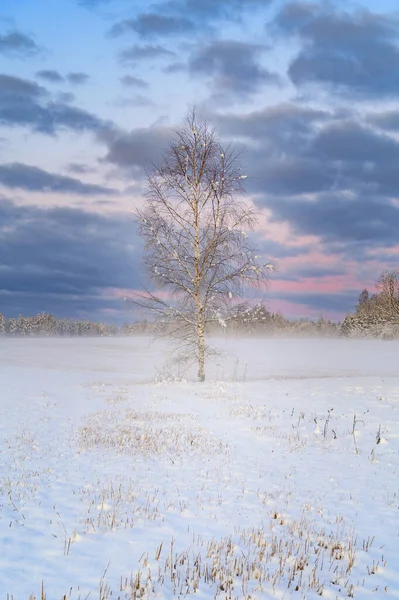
(276,478)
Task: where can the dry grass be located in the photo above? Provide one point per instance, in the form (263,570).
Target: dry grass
(111,507)
(287,557)
(147,434)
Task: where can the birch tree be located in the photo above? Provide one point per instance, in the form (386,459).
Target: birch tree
(195,225)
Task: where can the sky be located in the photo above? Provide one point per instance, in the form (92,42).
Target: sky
(90,91)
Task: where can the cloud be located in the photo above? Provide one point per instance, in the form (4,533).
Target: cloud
(317,271)
(130,81)
(78,78)
(338,302)
(136,53)
(276,121)
(294,16)
(365,161)
(69,117)
(234,67)
(65,97)
(150,25)
(355,52)
(185,17)
(340,218)
(79,168)
(200,8)
(25,103)
(212,9)
(63,260)
(142,147)
(350,141)
(10,85)
(311,151)
(204,13)
(292,176)
(279,153)
(388,119)
(33,179)
(276,129)
(50,75)
(18,45)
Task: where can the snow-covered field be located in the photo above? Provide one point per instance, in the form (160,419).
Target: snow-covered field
(278,477)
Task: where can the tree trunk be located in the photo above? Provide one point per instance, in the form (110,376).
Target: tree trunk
(201,349)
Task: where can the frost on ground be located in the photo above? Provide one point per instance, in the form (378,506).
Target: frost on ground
(277,478)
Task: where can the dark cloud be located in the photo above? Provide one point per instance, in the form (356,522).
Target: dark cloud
(62,260)
(279,121)
(11,86)
(150,25)
(377,179)
(79,168)
(33,179)
(25,103)
(69,117)
(184,17)
(136,53)
(388,120)
(279,153)
(234,67)
(78,78)
(340,217)
(275,130)
(206,13)
(287,175)
(210,9)
(130,81)
(50,75)
(340,302)
(142,147)
(66,97)
(365,161)
(349,141)
(318,271)
(295,150)
(356,52)
(295,16)
(215,9)
(16,44)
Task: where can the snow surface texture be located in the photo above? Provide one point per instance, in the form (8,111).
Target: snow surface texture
(277,478)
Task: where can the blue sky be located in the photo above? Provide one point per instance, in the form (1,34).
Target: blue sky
(89,92)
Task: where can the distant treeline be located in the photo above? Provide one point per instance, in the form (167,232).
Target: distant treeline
(375,315)
(44,324)
(255,321)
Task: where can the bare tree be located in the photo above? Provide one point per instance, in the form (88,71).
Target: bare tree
(194,224)
(388,287)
